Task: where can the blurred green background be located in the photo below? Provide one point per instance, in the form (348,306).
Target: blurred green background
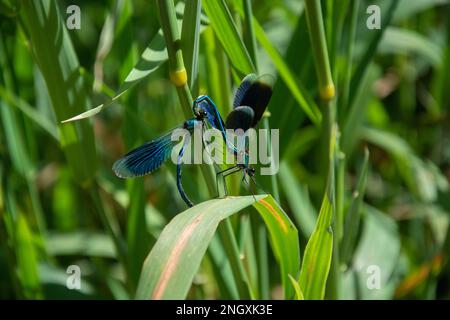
(61,204)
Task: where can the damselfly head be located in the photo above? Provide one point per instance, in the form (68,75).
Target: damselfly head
(198,111)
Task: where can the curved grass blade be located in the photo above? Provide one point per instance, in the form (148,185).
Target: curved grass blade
(170,267)
(190,39)
(318,252)
(225,29)
(54,53)
(300,94)
(298,290)
(31,113)
(353,216)
(400,40)
(152,57)
(370,51)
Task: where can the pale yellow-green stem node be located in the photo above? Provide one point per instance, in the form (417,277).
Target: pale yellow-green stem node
(179,77)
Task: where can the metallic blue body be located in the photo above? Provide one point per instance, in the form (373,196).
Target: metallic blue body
(151,155)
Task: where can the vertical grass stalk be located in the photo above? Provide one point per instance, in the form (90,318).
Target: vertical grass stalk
(319,47)
(179,77)
(327,92)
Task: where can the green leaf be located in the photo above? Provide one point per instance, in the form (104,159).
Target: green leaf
(153,56)
(317,258)
(402,41)
(298,91)
(422,177)
(27,259)
(377,254)
(356,113)
(353,216)
(370,51)
(80,243)
(300,94)
(226,32)
(54,285)
(190,38)
(54,53)
(138,239)
(318,252)
(298,198)
(284,240)
(298,290)
(408,8)
(31,113)
(175,258)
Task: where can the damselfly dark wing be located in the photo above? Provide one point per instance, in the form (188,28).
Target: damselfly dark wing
(146,158)
(253,93)
(240,118)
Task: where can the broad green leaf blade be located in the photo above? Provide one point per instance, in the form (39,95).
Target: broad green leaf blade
(225,29)
(284,240)
(170,267)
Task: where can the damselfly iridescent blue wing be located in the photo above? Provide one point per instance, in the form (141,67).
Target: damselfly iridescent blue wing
(150,156)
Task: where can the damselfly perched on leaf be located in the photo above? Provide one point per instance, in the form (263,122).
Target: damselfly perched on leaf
(250,101)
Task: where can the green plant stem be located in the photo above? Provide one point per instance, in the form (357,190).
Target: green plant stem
(173,44)
(262,257)
(332,290)
(327,92)
(273,177)
(190,36)
(176,64)
(319,47)
(261,233)
(340,194)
